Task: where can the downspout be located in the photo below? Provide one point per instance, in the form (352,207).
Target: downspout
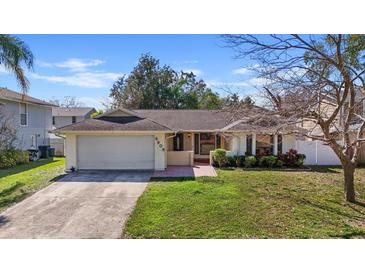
(172,136)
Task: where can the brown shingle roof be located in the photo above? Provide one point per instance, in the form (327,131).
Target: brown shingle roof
(79,111)
(168,120)
(19,97)
(127,123)
(188,119)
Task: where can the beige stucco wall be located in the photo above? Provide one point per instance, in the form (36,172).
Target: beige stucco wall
(71,151)
(180,158)
(160,151)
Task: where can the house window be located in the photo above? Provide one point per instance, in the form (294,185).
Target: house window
(280,144)
(53,120)
(207,143)
(264,144)
(73,119)
(196,143)
(249,144)
(218,143)
(23,114)
(179,142)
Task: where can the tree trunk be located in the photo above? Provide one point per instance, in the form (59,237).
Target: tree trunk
(349,186)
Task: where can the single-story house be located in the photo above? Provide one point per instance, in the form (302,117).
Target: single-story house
(154,139)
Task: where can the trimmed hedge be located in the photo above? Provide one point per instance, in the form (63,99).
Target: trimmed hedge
(289,159)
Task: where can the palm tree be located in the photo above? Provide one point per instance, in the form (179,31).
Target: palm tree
(14,53)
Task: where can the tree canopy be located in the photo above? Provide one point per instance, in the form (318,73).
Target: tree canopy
(152,86)
(315,79)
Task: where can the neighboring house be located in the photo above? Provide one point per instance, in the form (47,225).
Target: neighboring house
(153,139)
(63,116)
(32,118)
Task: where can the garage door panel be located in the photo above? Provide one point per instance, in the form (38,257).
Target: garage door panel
(115,152)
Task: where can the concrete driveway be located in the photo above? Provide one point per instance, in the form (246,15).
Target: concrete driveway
(88,204)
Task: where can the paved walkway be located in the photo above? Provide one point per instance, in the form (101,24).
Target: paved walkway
(81,205)
(197,170)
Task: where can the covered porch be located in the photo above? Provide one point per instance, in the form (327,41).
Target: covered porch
(191,148)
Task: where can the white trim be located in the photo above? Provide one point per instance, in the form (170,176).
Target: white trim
(27,102)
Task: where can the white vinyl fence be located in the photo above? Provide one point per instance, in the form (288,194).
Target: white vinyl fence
(317,153)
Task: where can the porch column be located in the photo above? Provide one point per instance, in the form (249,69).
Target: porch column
(243,144)
(235,144)
(253,143)
(275,145)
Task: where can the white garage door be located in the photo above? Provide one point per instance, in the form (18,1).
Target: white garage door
(115,152)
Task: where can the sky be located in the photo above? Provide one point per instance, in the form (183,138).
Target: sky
(86,66)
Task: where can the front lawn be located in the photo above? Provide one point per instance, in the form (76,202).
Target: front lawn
(23,180)
(251,204)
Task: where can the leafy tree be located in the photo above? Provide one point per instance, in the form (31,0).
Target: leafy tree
(317,79)
(14,54)
(7,129)
(151,86)
(248,101)
(97,113)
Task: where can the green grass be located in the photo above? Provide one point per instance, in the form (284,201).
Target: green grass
(21,181)
(251,204)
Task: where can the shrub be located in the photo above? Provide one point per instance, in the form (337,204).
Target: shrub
(219,155)
(250,161)
(240,161)
(215,163)
(268,161)
(7,159)
(231,161)
(279,163)
(22,157)
(293,159)
(12,157)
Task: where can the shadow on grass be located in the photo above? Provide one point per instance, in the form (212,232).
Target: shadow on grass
(351,235)
(57,178)
(171,179)
(7,201)
(326,169)
(10,189)
(359,203)
(330,209)
(24,167)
